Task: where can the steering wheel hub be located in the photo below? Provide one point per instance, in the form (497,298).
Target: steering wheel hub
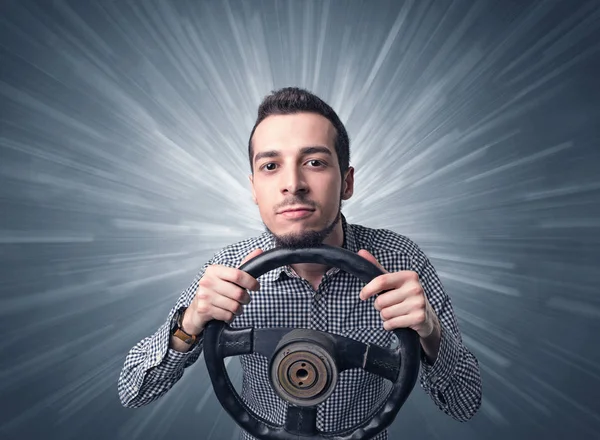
(303,373)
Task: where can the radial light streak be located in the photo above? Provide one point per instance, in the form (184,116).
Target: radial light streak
(123,166)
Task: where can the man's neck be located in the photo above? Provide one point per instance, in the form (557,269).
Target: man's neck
(314,272)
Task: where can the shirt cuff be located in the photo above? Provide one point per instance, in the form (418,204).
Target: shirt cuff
(164,361)
(439,374)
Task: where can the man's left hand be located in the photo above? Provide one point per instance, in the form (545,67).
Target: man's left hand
(403,303)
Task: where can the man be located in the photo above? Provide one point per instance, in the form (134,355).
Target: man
(299,159)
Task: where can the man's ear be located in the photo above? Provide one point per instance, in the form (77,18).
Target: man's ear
(250,178)
(348,184)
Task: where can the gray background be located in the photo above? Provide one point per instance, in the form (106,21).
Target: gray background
(123,129)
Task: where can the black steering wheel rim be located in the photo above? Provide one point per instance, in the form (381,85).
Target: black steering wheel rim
(221,341)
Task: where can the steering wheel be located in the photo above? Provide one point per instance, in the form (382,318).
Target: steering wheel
(304,364)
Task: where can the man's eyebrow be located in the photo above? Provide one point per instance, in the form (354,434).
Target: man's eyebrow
(314,149)
(304,151)
(263,154)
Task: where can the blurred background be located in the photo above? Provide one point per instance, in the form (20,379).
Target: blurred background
(474,131)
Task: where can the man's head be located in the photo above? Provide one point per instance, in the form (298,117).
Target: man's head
(299,156)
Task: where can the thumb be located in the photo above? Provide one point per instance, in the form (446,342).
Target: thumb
(251,255)
(367,256)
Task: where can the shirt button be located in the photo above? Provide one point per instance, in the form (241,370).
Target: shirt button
(318,296)
(157,358)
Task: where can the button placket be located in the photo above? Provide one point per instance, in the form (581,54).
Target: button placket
(318,309)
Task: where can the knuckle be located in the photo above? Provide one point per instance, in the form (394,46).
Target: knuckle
(202,294)
(238,278)
(378,303)
(239,294)
(420,302)
(202,308)
(415,289)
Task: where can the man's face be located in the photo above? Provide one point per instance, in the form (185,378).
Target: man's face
(296,181)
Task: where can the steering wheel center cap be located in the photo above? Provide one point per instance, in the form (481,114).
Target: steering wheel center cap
(303,373)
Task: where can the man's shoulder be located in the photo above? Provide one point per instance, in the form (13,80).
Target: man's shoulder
(383,239)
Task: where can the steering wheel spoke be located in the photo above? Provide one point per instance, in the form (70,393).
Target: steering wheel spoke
(350,353)
(235,341)
(383,362)
(301,420)
(266,340)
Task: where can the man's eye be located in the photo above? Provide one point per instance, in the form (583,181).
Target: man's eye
(269,166)
(315,163)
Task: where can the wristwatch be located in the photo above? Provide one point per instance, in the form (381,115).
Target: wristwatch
(177,330)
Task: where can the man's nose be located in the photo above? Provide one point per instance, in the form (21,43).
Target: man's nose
(293,182)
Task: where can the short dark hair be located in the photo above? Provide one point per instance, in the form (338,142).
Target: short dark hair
(292,100)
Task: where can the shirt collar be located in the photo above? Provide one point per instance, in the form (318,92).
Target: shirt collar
(278,273)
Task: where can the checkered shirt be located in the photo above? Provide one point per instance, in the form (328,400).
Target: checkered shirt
(285,300)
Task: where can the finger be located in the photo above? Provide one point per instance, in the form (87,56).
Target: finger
(228,304)
(404,294)
(404,321)
(251,255)
(229,290)
(382,284)
(367,256)
(396,309)
(374,286)
(390,281)
(236,276)
(377,285)
(222,314)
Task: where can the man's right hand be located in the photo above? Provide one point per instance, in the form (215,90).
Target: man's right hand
(221,295)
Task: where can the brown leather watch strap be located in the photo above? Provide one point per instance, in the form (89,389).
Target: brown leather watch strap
(188,339)
(179,333)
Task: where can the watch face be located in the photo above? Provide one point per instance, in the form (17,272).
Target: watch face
(175,321)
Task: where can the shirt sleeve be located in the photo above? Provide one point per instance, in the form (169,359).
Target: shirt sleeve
(151,367)
(453,381)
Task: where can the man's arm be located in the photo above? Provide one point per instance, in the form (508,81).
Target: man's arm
(156,363)
(453,380)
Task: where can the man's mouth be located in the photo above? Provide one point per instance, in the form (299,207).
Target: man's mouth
(296,212)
